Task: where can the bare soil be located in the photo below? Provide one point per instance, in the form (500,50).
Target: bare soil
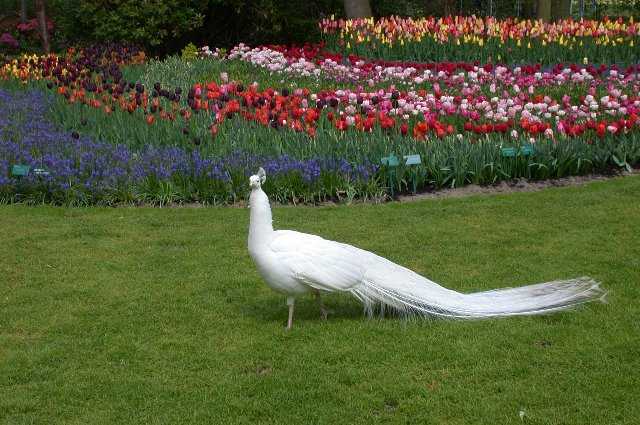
(520,185)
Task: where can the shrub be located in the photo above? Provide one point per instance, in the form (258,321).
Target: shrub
(150,23)
(190,52)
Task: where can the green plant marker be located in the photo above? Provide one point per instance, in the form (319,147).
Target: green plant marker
(411,161)
(20,170)
(392,163)
(508,152)
(526,150)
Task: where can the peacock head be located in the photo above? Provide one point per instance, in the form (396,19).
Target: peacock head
(258,179)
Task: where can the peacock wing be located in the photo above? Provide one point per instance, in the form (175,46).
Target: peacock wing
(319,263)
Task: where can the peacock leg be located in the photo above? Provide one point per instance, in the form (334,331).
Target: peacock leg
(323,310)
(290,303)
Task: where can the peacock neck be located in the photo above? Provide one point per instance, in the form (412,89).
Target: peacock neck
(260,226)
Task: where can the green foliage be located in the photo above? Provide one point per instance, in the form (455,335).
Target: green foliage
(612,8)
(150,23)
(420,8)
(504,8)
(229,22)
(164,25)
(190,52)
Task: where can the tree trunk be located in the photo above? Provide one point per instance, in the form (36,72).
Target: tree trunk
(448,7)
(544,10)
(357,8)
(23,11)
(42,22)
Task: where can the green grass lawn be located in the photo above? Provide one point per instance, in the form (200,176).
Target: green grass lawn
(140,315)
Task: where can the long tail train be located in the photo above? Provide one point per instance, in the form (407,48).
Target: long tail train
(410,293)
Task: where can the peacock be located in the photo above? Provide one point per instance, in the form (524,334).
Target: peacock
(294,264)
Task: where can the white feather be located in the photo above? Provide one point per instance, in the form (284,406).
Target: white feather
(294,263)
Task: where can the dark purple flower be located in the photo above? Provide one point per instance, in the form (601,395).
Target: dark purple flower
(8,40)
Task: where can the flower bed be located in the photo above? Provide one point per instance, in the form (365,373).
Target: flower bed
(196,142)
(314,61)
(486,39)
(80,170)
(483,100)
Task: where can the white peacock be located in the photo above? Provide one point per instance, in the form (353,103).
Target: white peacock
(295,264)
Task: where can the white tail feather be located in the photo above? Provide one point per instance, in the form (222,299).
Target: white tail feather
(420,296)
